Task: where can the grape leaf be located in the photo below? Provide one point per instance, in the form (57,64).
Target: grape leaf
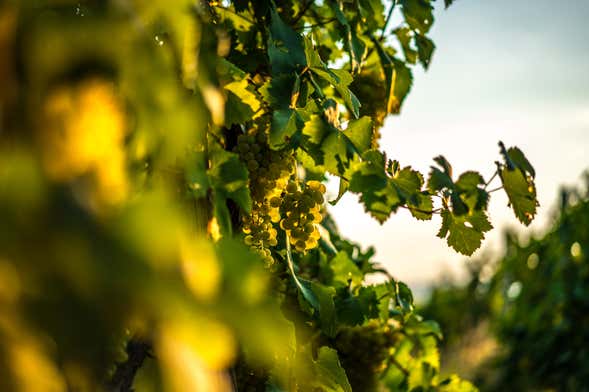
(343,269)
(425,50)
(418,14)
(285,124)
(285,46)
(517,176)
(330,375)
(521,192)
(361,134)
(356,48)
(277,91)
(464,233)
(405,35)
(242,103)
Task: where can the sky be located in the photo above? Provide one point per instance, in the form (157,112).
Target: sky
(510,70)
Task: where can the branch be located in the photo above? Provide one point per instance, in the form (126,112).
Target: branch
(399,366)
(305,8)
(327,21)
(435,211)
(491,179)
(495,189)
(122,380)
(386,22)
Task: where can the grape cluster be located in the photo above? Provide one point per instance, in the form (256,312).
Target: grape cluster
(363,351)
(300,209)
(269,169)
(269,172)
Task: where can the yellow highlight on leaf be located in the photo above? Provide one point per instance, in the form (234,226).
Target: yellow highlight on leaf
(193,354)
(83,132)
(200,267)
(33,371)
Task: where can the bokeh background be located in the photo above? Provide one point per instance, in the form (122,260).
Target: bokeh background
(505,70)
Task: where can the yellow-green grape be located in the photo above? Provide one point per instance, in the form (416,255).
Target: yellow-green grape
(363,351)
(301,211)
(269,172)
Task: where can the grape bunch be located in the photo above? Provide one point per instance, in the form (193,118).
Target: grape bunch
(260,233)
(300,208)
(269,172)
(363,351)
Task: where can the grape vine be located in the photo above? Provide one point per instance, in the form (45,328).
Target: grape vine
(172,182)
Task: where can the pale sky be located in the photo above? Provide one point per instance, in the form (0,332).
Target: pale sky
(510,70)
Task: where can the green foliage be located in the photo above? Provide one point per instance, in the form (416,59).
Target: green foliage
(534,299)
(165,159)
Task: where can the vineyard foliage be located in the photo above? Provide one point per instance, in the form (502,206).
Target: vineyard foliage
(164,221)
(534,300)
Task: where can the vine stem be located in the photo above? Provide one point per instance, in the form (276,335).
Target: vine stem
(491,179)
(436,211)
(291,264)
(495,189)
(387,20)
(122,380)
(305,8)
(399,366)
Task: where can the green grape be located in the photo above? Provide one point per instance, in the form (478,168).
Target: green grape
(300,208)
(363,351)
(269,174)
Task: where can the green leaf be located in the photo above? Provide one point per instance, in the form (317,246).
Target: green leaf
(312,56)
(340,80)
(344,185)
(404,297)
(242,103)
(422,209)
(316,129)
(440,179)
(521,192)
(384,293)
(329,372)
(517,176)
(344,269)
(349,309)
(196,175)
(221,212)
(464,233)
(229,175)
(356,47)
(318,296)
(405,36)
(517,158)
(285,47)
(372,12)
(285,124)
(361,133)
(230,71)
(402,85)
(418,14)
(425,50)
(328,146)
(429,327)
(277,91)
(454,383)
(336,153)
(240,20)
(369,179)
(469,180)
(448,3)
(347,95)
